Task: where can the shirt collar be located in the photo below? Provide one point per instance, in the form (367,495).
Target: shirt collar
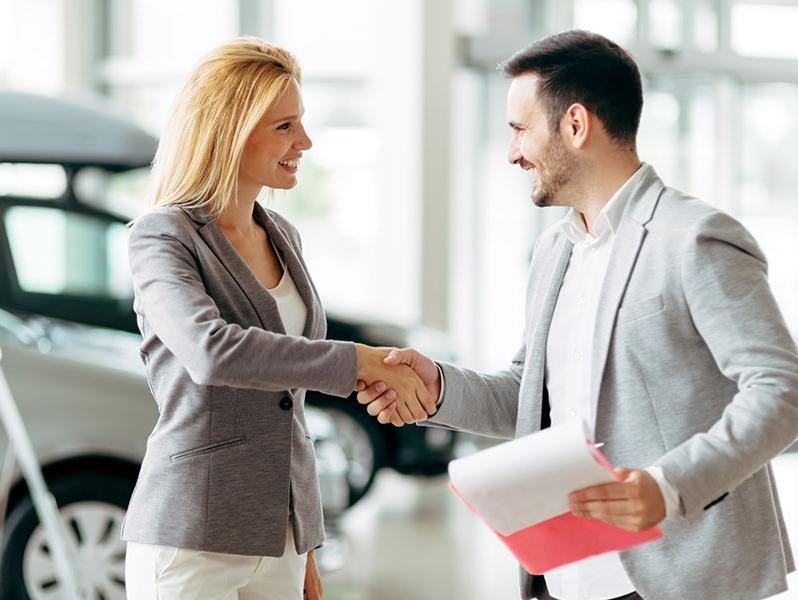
(609,218)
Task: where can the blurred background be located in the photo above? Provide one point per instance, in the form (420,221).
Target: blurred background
(416,229)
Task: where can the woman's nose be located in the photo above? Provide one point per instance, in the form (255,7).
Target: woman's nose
(304,142)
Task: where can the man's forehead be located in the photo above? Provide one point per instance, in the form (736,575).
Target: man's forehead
(522,96)
(524,88)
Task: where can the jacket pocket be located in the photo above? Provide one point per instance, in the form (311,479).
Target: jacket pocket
(641,308)
(207,449)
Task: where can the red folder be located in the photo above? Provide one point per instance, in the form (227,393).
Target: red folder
(567,538)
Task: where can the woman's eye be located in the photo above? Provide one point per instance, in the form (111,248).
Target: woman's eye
(284,126)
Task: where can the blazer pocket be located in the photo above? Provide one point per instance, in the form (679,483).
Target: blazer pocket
(209,448)
(640,309)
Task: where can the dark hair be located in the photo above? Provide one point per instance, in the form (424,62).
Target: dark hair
(584,67)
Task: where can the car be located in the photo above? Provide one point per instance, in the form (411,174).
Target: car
(70,344)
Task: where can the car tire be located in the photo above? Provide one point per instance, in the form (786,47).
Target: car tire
(92,506)
(362,440)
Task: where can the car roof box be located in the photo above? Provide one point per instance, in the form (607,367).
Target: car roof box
(42,129)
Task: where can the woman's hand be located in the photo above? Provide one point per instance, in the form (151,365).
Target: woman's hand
(413,400)
(380,399)
(314,590)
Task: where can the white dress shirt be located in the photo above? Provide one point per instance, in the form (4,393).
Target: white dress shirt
(568,373)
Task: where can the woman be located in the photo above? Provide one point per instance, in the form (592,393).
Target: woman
(227,502)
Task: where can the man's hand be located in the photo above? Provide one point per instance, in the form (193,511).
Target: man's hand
(635,503)
(380,398)
(411,399)
(314,590)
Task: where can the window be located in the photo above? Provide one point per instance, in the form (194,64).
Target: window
(767,182)
(32,62)
(678,134)
(705,26)
(124,193)
(357,186)
(32,180)
(57,252)
(615,19)
(764,30)
(665,24)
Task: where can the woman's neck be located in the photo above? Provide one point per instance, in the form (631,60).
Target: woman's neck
(237,218)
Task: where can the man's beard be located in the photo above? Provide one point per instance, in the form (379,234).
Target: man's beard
(555,170)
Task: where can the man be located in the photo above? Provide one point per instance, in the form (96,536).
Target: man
(649,316)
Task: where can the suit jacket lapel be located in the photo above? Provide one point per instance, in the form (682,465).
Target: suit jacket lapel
(628,240)
(624,254)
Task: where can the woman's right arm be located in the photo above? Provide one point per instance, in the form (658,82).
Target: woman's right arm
(170,293)
(185,318)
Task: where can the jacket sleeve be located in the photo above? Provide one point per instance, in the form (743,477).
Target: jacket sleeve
(724,278)
(481,403)
(487,404)
(172,298)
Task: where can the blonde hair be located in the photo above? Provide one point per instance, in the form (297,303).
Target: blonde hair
(199,153)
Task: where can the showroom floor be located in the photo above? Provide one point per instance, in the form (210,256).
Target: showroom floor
(412,539)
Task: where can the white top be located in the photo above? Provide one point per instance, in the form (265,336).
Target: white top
(290,305)
(568,373)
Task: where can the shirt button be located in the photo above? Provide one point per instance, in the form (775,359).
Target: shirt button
(286,403)
(577,355)
(572,412)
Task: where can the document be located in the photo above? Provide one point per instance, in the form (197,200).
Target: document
(520,490)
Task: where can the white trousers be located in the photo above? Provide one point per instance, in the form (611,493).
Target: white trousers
(165,573)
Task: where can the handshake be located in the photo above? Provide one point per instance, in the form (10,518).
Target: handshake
(399,386)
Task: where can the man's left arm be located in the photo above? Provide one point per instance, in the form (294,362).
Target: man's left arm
(724,277)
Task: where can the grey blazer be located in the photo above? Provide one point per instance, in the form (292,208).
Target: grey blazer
(230,455)
(693,369)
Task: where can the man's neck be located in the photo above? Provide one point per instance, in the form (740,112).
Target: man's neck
(601,182)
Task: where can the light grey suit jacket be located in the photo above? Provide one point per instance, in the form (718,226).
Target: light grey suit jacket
(693,369)
(230,454)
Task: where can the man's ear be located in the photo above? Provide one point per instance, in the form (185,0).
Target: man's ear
(576,126)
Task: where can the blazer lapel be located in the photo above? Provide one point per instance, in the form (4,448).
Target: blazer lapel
(629,238)
(298,271)
(624,254)
(539,314)
(545,297)
(262,302)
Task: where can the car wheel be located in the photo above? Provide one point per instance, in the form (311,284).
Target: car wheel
(363,443)
(92,506)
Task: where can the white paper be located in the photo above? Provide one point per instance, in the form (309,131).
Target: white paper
(525,481)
